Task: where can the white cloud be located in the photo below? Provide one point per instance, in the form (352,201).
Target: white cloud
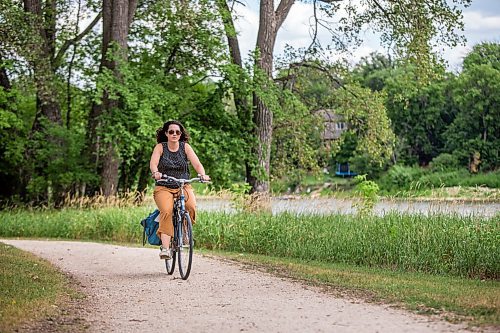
(297,26)
(455,56)
(247,25)
(478,27)
(477,21)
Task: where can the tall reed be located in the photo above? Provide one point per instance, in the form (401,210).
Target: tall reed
(438,244)
(105,224)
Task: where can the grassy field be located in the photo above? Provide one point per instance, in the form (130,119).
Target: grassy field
(31,288)
(437,244)
(439,263)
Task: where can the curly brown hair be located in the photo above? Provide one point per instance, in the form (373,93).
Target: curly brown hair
(161,133)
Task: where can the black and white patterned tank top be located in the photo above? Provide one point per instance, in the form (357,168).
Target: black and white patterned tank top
(173,164)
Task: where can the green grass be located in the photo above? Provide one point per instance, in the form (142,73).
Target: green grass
(456,299)
(461,178)
(327,185)
(30,288)
(117,224)
(438,244)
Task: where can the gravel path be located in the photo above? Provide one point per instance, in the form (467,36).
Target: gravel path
(129,291)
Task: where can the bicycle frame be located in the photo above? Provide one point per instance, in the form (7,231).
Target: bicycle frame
(179,212)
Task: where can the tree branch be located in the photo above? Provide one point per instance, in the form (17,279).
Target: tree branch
(232,37)
(320,68)
(388,15)
(69,42)
(199,80)
(282,12)
(315,35)
(384,12)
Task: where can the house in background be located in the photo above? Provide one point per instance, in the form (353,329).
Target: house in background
(334,126)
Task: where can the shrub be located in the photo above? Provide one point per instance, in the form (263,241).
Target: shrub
(368,191)
(460,177)
(400,177)
(444,162)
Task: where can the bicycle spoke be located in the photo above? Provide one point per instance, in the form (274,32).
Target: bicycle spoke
(186,248)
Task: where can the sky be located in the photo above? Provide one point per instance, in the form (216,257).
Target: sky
(481,20)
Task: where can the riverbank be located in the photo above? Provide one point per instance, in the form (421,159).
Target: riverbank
(450,194)
(333,205)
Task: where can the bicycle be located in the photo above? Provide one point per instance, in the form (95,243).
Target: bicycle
(182,243)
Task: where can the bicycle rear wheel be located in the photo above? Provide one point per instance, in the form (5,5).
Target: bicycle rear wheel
(185,247)
(170,263)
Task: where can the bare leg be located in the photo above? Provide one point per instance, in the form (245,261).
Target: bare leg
(165,240)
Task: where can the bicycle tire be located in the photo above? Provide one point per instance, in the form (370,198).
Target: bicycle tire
(185,254)
(170,263)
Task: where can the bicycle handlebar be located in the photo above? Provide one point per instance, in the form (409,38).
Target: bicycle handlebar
(181,181)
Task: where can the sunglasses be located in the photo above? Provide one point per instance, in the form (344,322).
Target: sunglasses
(172,132)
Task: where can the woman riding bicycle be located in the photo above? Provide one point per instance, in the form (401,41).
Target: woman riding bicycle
(170,157)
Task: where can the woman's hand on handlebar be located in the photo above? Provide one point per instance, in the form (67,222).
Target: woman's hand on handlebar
(204,178)
(156,175)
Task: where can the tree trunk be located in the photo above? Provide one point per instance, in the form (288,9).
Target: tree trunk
(40,53)
(241,103)
(44,23)
(117,17)
(232,38)
(93,138)
(109,174)
(269,23)
(4,77)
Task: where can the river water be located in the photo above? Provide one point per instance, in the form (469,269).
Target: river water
(340,206)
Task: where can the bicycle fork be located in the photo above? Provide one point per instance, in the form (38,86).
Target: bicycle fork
(179,225)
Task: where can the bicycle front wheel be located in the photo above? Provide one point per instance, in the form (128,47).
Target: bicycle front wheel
(185,252)
(170,263)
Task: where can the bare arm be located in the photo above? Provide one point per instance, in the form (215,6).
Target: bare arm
(195,162)
(155,159)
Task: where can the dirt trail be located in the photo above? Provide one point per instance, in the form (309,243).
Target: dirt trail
(129,291)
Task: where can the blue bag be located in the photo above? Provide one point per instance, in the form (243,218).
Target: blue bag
(150,227)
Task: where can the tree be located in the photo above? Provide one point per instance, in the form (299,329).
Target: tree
(373,71)
(411,27)
(239,83)
(162,80)
(483,54)
(117,18)
(420,113)
(32,39)
(368,141)
(475,130)
(31,33)
(10,125)
(368,123)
